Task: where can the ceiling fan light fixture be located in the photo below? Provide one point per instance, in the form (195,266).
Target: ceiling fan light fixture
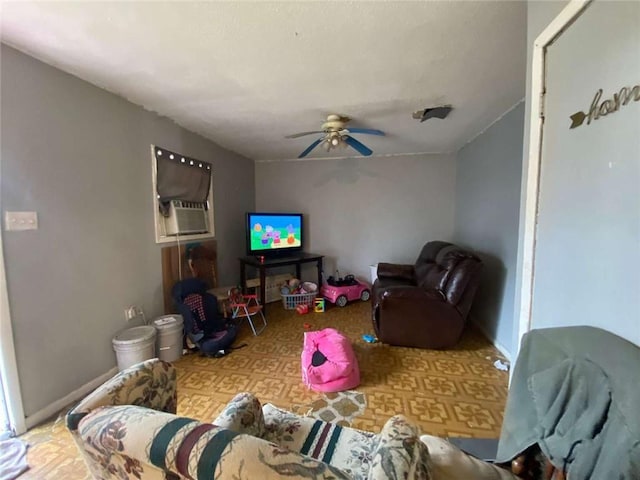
(337,135)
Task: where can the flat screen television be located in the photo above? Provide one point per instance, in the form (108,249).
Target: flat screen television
(273,234)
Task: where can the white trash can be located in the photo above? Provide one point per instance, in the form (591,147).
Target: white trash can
(169,338)
(374,273)
(134,345)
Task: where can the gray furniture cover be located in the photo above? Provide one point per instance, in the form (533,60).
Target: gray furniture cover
(576,392)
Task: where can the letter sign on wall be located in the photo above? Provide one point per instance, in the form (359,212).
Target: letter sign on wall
(600,109)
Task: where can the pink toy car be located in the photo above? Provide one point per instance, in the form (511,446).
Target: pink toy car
(341,291)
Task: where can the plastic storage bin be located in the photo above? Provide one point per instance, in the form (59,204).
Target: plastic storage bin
(134,345)
(272,286)
(169,337)
(290,302)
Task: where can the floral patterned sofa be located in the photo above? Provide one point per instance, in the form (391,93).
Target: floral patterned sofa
(571,413)
(150,384)
(128,429)
(396,452)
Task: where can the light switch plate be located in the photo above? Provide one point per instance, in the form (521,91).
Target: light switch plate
(20,221)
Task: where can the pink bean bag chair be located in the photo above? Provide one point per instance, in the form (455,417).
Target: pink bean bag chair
(328,362)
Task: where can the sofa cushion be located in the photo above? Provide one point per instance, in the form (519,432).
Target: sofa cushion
(430,250)
(429,269)
(129,442)
(448,462)
(400,272)
(431,276)
(348,449)
(395,453)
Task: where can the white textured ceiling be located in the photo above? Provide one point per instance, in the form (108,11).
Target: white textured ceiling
(245,74)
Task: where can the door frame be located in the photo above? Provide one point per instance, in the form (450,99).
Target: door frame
(565,18)
(8,365)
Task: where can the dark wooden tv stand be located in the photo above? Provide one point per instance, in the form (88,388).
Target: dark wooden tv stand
(265,263)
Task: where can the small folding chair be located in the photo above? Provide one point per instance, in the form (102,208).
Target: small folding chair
(246,306)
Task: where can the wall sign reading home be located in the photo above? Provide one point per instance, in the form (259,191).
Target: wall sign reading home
(602,107)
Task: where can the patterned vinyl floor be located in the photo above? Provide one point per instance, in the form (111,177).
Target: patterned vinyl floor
(448,393)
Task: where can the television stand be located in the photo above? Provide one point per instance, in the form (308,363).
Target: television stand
(265,263)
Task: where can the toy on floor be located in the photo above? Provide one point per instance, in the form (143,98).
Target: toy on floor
(296,287)
(345,289)
(302,309)
(319,305)
(369,338)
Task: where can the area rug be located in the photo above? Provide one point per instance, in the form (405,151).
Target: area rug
(339,407)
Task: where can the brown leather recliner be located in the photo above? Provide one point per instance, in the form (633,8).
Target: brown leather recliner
(426,305)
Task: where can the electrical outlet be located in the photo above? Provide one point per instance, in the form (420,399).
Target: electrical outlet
(130,313)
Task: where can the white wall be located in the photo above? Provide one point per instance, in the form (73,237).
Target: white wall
(80,157)
(363,210)
(486,220)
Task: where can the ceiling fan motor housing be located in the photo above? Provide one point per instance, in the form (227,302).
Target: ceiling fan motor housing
(332,125)
(337,135)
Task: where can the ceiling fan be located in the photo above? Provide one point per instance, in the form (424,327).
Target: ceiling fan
(336,134)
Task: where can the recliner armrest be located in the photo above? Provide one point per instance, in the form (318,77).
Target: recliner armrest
(400,453)
(116,440)
(413,293)
(396,270)
(243,414)
(151,384)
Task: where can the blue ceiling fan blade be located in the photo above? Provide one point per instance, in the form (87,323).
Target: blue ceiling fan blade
(310,147)
(368,131)
(355,144)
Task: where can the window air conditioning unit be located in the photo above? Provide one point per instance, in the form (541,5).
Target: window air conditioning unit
(186,218)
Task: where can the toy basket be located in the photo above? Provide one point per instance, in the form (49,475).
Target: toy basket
(290,302)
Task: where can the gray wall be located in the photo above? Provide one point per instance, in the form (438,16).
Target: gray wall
(364,210)
(588,224)
(80,157)
(486,219)
(540,14)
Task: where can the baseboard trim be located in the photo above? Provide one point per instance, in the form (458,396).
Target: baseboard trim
(50,410)
(503,350)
